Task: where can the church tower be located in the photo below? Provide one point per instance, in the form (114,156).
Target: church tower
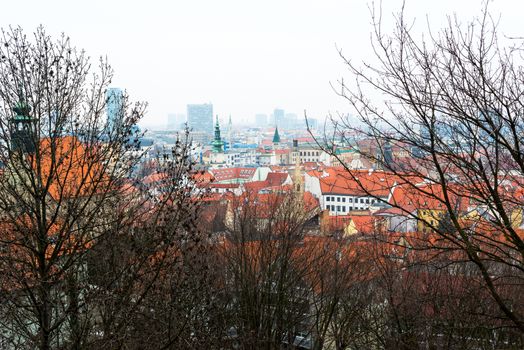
(22,128)
(218,144)
(276,137)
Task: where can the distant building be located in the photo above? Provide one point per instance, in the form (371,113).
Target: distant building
(261,120)
(279,116)
(176,121)
(114,107)
(290,121)
(308,152)
(200,117)
(199,138)
(312,123)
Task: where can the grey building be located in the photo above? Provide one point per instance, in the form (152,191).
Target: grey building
(114,106)
(200,117)
(278,116)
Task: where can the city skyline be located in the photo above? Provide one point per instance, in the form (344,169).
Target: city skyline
(245,59)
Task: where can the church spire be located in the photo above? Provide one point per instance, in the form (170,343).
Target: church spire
(297,176)
(217,143)
(276,137)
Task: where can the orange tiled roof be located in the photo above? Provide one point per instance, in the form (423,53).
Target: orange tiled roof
(227,174)
(70,168)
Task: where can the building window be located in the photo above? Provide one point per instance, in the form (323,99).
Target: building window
(350,208)
(362,200)
(338,199)
(327,199)
(350,200)
(344,208)
(332,199)
(367,200)
(343,199)
(338,207)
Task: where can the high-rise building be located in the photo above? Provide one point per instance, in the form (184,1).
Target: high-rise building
(261,120)
(200,117)
(278,116)
(114,106)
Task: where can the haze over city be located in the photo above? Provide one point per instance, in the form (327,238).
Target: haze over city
(245,57)
(160,187)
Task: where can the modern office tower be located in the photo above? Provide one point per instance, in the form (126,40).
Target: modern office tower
(278,116)
(200,117)
(114,106)
(176,121)
(261,120)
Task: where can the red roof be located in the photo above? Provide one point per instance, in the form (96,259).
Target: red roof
(214,185)
(363,223)
(202,177)
(305,140)
(273,181)
(226,174)
(336,180)
(282,151)
(263,205)
(70,168)
(426,196)
(154,178)
(276,179)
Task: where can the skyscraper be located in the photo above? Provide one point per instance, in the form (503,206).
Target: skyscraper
(114,104)
(200,117)
(278,116)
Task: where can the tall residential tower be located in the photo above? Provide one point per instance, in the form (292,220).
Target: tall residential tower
(114,106)
(200,117)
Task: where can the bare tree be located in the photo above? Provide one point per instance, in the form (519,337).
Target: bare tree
(267,265)
(452,101)
(82,242)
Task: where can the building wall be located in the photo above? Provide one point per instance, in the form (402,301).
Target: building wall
(342,204)
(402,224)
(200,117)
(310,155)
(312,184)
(114,111)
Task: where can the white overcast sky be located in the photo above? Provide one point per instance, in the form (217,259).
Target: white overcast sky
(244,56)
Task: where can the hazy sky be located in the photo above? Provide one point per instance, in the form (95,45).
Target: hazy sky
(244,56)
